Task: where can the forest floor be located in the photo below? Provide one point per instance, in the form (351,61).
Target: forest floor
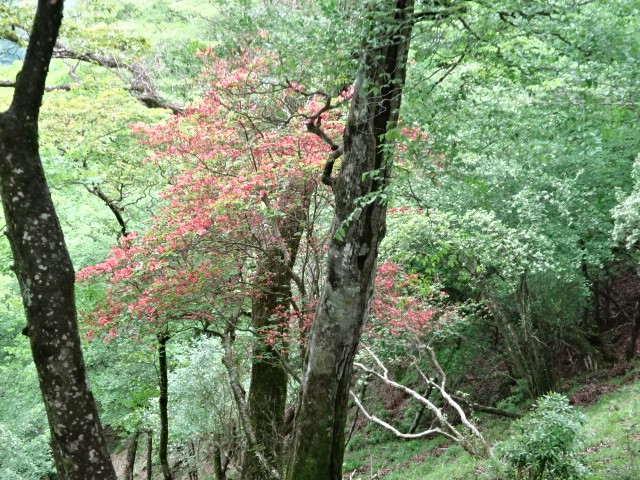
(609,440)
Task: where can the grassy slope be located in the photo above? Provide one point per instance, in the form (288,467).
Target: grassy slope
(611,445)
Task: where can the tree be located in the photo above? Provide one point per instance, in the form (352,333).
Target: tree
(539,149)
(224,248)
(359,225)
(44,270)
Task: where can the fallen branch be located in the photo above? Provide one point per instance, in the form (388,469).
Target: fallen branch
(486,409)
(473,442)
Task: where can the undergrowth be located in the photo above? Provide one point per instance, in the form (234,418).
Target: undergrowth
(607,444)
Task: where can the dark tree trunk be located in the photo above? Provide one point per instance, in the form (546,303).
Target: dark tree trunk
(149,455)
(268,388)
(163,402)
(359,225)
(131,457)
(635,332)
(218,465)
(267,400)
(193,461)
(44,270)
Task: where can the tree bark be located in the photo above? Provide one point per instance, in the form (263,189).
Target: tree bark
(44,270)
(193,461)
(163,402)
(267,400)
(239,395)
(359,225)
(131,457)
(635,332)
(149,455)
(218,467)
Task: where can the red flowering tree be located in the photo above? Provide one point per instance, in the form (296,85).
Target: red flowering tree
(225,246)
(234,249)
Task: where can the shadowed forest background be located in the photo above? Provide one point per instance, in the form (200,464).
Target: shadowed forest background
(377,239)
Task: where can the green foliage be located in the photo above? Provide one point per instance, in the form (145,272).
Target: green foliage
(627,213)
(532,132)
(12,14)
(24,456)
(201,403)
(543,443)
(301,35)
(124,381)
(529,167)
(24,435)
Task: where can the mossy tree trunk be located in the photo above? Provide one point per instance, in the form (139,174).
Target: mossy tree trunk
(44,270)
(267,399)
(359,225)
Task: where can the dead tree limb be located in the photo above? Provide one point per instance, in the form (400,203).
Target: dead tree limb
(473,441)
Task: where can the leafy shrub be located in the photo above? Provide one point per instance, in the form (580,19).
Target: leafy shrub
(542,446)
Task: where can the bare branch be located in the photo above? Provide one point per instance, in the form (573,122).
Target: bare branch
(141,84)
(448,429)
(10,84)
(451,401)
(395,431)
(111,204)
(484,408)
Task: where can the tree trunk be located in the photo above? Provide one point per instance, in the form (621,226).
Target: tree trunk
(218,467)
(359,225)
(635,332)
(268,388)
(239,395)
(163,402)
(267,400)
(193,461)
(131,457)
(44,270)
(149,455)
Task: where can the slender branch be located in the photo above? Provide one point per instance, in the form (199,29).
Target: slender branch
(394,430)
(485,409)
(11,84)
(113,206)
(313,125)
(449,430)
(239,395)
(447,397)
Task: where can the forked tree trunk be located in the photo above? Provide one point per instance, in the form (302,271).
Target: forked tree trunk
(44,270)
(359,225)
